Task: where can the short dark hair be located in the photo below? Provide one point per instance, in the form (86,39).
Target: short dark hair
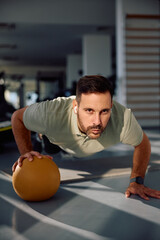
(93,84)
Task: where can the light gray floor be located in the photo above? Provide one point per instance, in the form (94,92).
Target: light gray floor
(93,209)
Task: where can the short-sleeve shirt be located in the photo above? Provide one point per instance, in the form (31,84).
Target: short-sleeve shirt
(57,121)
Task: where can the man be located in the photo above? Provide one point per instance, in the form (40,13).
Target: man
(84,125)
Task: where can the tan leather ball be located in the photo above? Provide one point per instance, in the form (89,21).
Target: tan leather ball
(37,180)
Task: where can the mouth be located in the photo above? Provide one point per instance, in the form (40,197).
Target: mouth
(96,131)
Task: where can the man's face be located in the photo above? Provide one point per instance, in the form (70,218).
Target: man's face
(93,113)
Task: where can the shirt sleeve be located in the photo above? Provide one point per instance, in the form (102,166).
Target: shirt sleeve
(35,117)
(132,132)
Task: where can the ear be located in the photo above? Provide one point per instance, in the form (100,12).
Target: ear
(112,104)
(75,105)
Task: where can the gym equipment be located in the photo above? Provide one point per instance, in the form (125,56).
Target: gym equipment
(36,180)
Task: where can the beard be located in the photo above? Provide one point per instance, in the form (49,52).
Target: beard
(93,131)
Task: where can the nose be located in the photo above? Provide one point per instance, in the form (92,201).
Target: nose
(97,119)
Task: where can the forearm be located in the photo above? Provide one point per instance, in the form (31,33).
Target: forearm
(141,158)
(21,134)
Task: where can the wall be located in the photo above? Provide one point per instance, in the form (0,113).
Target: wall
(58,11)
(74,65)
(141,6)
(97,55)
(124,7)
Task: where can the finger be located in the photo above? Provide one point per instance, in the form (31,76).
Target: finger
(142,195)
(29,155)
(153,193)
(37,154)
(14,166)
(154,196)
(127,194)
(49,156)
(20,160)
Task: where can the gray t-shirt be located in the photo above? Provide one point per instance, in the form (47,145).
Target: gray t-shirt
(57,120)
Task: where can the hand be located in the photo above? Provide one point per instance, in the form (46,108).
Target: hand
(142,191)
(28,155)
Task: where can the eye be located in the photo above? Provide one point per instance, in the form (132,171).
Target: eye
(105,111)
(89,110)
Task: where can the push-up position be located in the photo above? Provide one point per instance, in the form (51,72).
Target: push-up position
(85,124)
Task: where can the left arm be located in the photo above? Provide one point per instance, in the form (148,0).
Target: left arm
(141,158)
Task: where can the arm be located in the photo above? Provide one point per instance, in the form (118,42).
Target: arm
(141,158)
(21,134)
(23,138)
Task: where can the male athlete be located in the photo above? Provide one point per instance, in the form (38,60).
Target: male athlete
(85,124)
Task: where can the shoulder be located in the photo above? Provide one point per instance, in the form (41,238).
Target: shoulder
(49,108)
(118,110)
(122,113)
(118,106)
(60,103)
(59,109)
(57,104)
(44,116)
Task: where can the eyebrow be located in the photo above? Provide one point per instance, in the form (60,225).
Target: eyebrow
(85,108)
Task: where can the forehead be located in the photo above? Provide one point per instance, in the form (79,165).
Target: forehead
(96,99)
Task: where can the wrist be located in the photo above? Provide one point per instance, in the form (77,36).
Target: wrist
(137,179)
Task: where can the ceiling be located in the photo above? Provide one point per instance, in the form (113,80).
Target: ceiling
(44,32)
(43,44)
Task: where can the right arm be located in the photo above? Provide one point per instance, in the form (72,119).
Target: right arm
(21,134)
(23,138)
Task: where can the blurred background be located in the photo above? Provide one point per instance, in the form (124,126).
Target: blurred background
(46,46)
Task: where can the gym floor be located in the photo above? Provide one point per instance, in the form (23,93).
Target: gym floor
(90,202)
